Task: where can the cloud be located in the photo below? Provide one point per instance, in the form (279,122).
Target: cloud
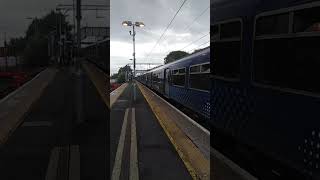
(156,15)
(13,14)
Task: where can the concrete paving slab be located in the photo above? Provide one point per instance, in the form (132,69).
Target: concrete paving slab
(14,106)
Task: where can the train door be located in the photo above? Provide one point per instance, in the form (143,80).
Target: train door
(166,82)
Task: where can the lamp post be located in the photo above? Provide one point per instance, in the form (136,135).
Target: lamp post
(133,34)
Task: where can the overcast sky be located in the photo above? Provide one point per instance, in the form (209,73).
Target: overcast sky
(156,14)
(13,14)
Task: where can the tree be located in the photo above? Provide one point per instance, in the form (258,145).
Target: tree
(34,45)
(36,50)
(121,75)
(114,76)
(174,55)
(126,68)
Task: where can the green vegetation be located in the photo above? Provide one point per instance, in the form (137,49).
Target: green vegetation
(33,47)
(174,55)
(121,75)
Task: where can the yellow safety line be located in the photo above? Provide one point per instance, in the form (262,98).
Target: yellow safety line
(182,154)
(98,83)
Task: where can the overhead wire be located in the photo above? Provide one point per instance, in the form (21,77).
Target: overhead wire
(200,46)
(194,41)
(190,25)
(167,27)
(195,19)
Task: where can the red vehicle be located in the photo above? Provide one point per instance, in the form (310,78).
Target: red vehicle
(114,86)
(10,81)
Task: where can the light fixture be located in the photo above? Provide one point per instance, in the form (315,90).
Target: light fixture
(139,24)
(127,23)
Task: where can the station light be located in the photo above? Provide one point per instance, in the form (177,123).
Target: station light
(133,34)
(139,24)
(127,23)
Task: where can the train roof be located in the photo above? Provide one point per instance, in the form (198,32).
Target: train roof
(187,58)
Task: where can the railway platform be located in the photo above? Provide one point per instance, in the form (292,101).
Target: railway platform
(170,145)
(40,136)
(149,138)
(147,143)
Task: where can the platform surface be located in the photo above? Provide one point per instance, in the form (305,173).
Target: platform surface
(14,106)
(51,123)
(156,156)
(187,138)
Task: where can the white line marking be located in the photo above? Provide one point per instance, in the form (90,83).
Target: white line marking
(74,164)
(53,164)
(134,91)
(36,123)
(118,160)
(134,169)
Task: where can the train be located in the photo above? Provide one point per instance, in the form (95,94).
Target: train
(265,94)
(185,81)
(98,53)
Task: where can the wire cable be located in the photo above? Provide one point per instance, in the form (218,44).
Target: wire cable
(194,20)
(202,13)
(199,46)
(167,27)
(194,41)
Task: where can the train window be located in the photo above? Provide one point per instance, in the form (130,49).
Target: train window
(195,69)
(181,71)
(205,68)
(307,20)
(230,30)
(226,55)
(175,72)
(227,59)
(178,78)
(294,61)
(155,78)
(272,25)
(199,77)
(200,81)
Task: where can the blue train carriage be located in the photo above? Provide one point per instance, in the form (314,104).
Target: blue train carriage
(265,92)
(185,81)
(145,79)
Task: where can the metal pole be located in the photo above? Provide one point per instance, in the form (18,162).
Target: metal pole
(134,63)
(74,31)
(79,75)
(134,52)
(78,26)
(60,36)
